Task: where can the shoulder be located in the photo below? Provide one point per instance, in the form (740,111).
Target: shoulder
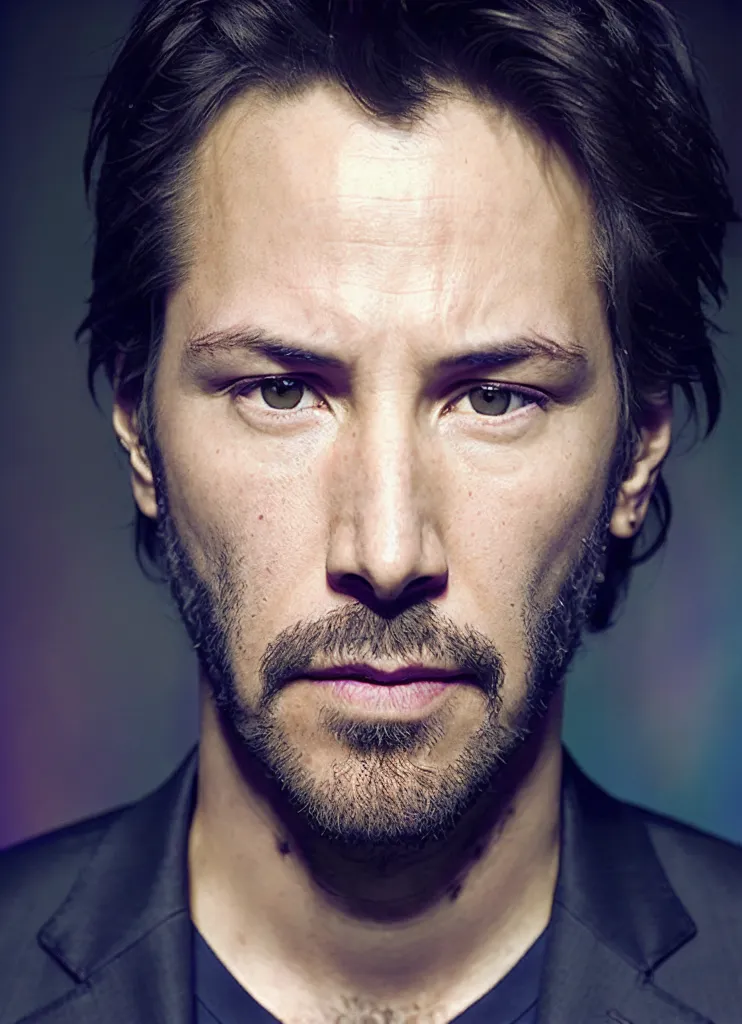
(36,875)
(687,854)
(677,840)
(705,869)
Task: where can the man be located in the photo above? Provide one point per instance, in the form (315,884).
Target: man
(394,298)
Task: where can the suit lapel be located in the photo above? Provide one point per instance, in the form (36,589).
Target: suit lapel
(615,917)
(124,932)
(586,981)
(148,983)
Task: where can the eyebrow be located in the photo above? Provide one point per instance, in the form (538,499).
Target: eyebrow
(511,350)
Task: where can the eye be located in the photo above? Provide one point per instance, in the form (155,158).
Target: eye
(283,394)
(279,392)
(495,400)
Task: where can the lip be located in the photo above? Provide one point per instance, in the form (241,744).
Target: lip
(369,674)
(400,698)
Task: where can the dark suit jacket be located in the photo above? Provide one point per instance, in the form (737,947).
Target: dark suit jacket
(646,925)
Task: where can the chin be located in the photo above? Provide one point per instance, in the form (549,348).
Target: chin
(380,784)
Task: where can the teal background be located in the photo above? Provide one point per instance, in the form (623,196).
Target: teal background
(97,686)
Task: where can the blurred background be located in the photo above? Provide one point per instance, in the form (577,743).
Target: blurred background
(97,684)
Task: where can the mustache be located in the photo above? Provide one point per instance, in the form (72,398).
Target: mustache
(355,633)
(351,633)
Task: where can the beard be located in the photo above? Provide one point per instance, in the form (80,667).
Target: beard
(380,793)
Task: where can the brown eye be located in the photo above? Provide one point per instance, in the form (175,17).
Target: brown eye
(284,392)
(491,401)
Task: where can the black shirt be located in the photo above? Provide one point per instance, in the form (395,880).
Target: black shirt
(220,999)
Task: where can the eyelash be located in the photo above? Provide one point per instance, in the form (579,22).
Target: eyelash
(242,389)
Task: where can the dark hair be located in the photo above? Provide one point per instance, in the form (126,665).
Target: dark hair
(609,81)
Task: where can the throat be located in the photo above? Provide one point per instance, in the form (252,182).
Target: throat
(411,932)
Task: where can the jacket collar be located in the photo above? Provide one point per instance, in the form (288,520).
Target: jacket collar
(124,931)
(611,879)
(615,917)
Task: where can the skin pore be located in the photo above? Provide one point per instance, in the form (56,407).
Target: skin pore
(355,863)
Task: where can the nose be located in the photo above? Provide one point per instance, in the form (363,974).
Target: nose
(386,545)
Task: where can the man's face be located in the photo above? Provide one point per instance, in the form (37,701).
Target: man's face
(390,509)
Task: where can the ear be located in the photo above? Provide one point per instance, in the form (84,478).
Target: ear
(130,438)
(632,503)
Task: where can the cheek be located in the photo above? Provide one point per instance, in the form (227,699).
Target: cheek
(523,527)
(224,499)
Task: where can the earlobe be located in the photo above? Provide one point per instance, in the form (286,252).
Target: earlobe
(635,493)
(129,436)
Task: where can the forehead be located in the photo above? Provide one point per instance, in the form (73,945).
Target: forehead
(463,217)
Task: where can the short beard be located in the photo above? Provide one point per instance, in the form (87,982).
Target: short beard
(379,796)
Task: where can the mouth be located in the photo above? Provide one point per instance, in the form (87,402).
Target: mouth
(383,677)
(405,689)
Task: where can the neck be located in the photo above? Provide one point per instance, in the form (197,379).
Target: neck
(264,887)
